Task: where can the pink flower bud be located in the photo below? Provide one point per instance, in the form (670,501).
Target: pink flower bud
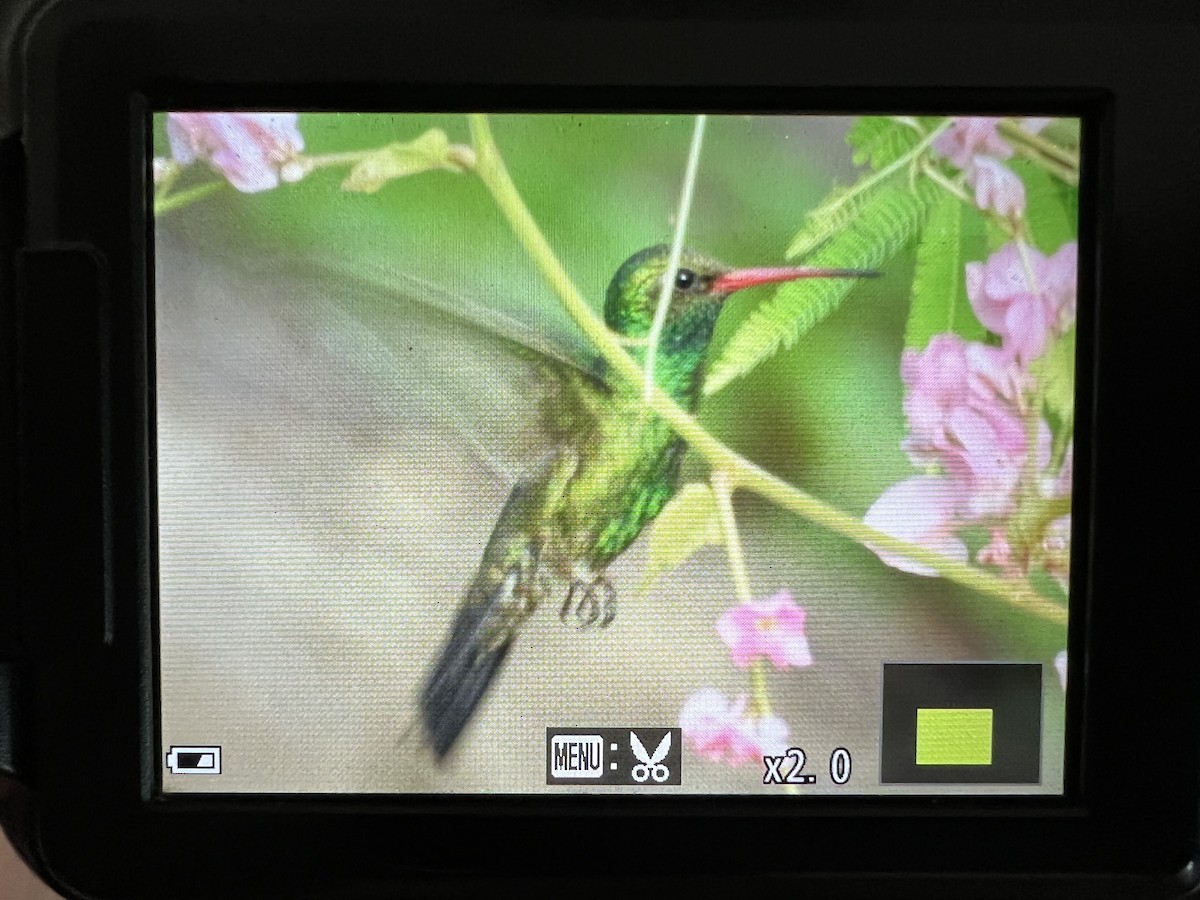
(771,628)
(251,150)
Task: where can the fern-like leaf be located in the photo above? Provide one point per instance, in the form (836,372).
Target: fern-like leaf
(953,237)
(887,219)
(879,141)
(835,213)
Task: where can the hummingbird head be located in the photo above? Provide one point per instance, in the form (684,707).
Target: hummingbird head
(701,284)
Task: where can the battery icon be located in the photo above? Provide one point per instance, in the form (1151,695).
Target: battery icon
(194,761)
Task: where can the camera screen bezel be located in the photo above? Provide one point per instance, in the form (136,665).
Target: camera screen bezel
(93,74)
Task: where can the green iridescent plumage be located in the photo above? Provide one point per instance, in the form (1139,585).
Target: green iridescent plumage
(616,466)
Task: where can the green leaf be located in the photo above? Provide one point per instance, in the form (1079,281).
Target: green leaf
(997,237)
(1048,214)
(879,141)
(400,159)
(1055,373)
(887,219)
(687,523)
(1070,199)
(1047,585)
(954,236)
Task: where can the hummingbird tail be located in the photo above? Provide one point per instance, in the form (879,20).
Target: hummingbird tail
(498,601)
(466,667)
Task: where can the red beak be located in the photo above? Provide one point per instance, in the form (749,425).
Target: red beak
(738,279)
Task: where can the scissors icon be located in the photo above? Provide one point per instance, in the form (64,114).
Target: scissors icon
(650,766)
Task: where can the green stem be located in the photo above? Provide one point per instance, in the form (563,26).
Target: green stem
(1062,173)
(459,156)
(163,205)
(1027,266)
(930,171)
(667,289)
(742,473)
(324,160)
(722,486)
(1062,163)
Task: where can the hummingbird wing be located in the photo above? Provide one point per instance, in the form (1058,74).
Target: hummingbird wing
(508,386)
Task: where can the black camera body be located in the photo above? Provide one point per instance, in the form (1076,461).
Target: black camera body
(80,678)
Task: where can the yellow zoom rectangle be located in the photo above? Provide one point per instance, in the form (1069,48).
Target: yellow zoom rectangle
(954,737)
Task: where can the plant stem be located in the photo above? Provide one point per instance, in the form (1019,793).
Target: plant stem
(742,473)
(169,202)
(667,289)
(320,161)
(1058,161)
(722,486)
(460,156)
(930,171)
(1027,266)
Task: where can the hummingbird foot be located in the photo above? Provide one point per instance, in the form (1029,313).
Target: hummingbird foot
(590,603)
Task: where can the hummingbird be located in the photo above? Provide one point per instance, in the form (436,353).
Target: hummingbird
(614,467)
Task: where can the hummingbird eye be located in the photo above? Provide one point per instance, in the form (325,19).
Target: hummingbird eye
(685,279)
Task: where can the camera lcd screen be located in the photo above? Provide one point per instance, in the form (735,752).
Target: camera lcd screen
(620,453)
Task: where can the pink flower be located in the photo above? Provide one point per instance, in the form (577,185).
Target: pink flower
(921,510)
(997,186)
(963,413)
(1024,304)
(971,136)
(773,628)
(718,729)
(974,146)
(998,552)
(254,151)
(1059,277)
